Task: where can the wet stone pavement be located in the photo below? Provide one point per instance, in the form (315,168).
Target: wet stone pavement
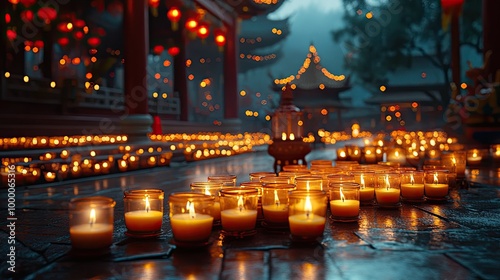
(457,239)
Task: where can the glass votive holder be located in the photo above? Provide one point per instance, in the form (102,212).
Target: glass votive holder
(388,190)
(294,167)
(396,155)
(258,186)
(293,174)
(321,162)
(143,210)
(309,182)
(366,181)
(91,223)
(276,179)
(369,155)
(255,176)
(495,152)
(191,218)
(275,205)
(340,178)
(455,162)
(412,186)
(436,185)
(341,154)
(239,211)
(344,201)
(474,157)
(226,180)
(307,214)
(353,153)
(212,189)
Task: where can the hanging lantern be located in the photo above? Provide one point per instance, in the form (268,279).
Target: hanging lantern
(65,27)
(78,35)
(63,41)
(47,14)
(80,23)
(27,15)
(94,41)
(203,30)
(191,24)
(14,2)
(173,51)
(158,49)
(220,38)
(27,3)
(39,44)
(174,15)
(11,34)
(154,7)
(451,3)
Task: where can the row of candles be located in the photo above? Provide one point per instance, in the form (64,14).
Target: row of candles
(296,199)
(375,154)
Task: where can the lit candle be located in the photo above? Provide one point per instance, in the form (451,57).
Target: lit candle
(276,213)
(397,156)
(412,190)
(91,235)
(146,220)
(191,227)
(238,219)
(366,192)
(387,193)
(307,225)
(438,187)
(474,157)
(342,208)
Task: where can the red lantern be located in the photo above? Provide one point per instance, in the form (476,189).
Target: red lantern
(158,49)
(28,3)
(219,37)
(191,24)
(203,30)
(39,44)
(78,35)
(27,15)
(154,3)
(65,26)
(7,18)
(80,23)
(174,15)
(47,14)
(94,41)
(14,2)
(451,3)
(63,41)
(173,51)
(11,34)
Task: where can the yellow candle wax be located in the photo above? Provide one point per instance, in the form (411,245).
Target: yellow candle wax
(412,191)
(304,225)
(143,220)
(344,208)
(436,190)
(366,193)
(216,211)
(187,227)
(275,213)
(238,220)
(387,196)
(91,236)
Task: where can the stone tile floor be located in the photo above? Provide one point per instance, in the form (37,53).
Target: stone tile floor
(458,239)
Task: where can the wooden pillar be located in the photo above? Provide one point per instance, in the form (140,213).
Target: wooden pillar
(136,121)
(491,40)
(231,72)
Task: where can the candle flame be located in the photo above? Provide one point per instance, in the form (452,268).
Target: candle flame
(436,180)
(308,206)
(190,207)
(453,161)
(148,206)
(474,154)
(386,181)
(396,154)
(207,191)
(241,203)
(412,180)
(92,217)
(362,181)
(276,198)
(342,154)
(342,195)
(283,136)
(292,137)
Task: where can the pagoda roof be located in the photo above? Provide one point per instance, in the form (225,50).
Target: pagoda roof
(260,32)
(313,76)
